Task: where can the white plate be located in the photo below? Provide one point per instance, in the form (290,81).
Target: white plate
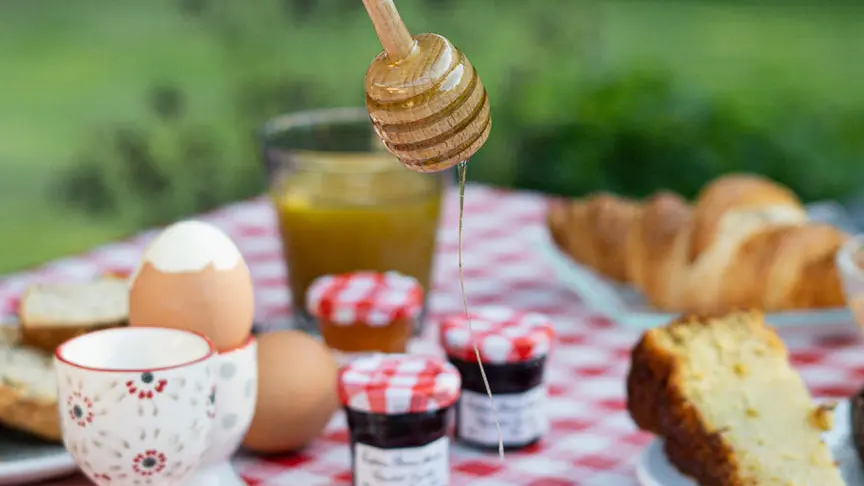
(626,306)
(24,459)
(654,469)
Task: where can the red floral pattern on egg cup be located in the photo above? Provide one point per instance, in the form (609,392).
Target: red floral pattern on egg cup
(146,386)
(149,462)
(80,409)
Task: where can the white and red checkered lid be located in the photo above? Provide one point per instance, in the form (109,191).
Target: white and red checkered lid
(394,384)
(375,299)
(502,335)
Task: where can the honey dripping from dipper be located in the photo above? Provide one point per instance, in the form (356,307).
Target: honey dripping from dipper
(431,111)
(463,170)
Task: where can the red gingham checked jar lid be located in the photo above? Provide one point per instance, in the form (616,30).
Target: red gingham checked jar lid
(502,335)
(394,384)
(375,299)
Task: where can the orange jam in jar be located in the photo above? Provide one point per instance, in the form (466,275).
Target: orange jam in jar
(365,312)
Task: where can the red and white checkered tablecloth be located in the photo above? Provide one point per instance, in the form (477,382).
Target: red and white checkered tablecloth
(592,441)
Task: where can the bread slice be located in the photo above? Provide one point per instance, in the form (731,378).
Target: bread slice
(55,312)
(28,388)
(731,411)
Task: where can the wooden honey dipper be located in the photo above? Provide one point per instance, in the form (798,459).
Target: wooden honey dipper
(426,102)
(431,111)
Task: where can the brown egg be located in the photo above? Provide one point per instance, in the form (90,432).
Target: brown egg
(193,277)
(296,392)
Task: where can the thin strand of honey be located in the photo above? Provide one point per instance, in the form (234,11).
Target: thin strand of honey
(463,170)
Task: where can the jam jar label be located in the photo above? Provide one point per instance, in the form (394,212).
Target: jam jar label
(522,417)
(427,465)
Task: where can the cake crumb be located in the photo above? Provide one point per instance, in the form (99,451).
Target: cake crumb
(822,416)
(740,370)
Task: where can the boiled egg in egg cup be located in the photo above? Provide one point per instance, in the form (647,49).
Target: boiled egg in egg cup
(192,277)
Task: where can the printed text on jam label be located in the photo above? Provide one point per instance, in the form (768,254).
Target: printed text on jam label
(428,465)
(522,417)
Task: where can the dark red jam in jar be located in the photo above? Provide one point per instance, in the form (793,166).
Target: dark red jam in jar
(513,347)
(398,409)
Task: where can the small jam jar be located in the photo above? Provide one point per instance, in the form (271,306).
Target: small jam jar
(513,347)
(365,311)
(398,408)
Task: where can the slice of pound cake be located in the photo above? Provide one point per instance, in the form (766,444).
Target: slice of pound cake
(721,394)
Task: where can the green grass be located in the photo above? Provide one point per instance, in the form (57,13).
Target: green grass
(79,65)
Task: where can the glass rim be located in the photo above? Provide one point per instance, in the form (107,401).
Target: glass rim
(346,115)
(305,118)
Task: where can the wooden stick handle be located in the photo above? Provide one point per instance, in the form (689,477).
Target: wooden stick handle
(392,33)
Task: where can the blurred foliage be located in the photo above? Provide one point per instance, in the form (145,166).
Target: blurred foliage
(172,167)
(638,132)
(566,121)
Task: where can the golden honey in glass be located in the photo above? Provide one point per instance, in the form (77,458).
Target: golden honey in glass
(345,205)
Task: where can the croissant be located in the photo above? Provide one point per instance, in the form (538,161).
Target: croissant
(745,242)
(607,220)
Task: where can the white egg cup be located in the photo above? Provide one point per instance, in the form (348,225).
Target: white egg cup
(236,391)
(135,404)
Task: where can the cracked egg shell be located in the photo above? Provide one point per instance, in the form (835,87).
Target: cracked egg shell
(192,277)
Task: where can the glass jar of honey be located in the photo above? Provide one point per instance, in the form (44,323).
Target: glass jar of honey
(513,348)
(345,204)
(399,414)
(366,312)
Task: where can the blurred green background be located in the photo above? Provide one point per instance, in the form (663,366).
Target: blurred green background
(119,114)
